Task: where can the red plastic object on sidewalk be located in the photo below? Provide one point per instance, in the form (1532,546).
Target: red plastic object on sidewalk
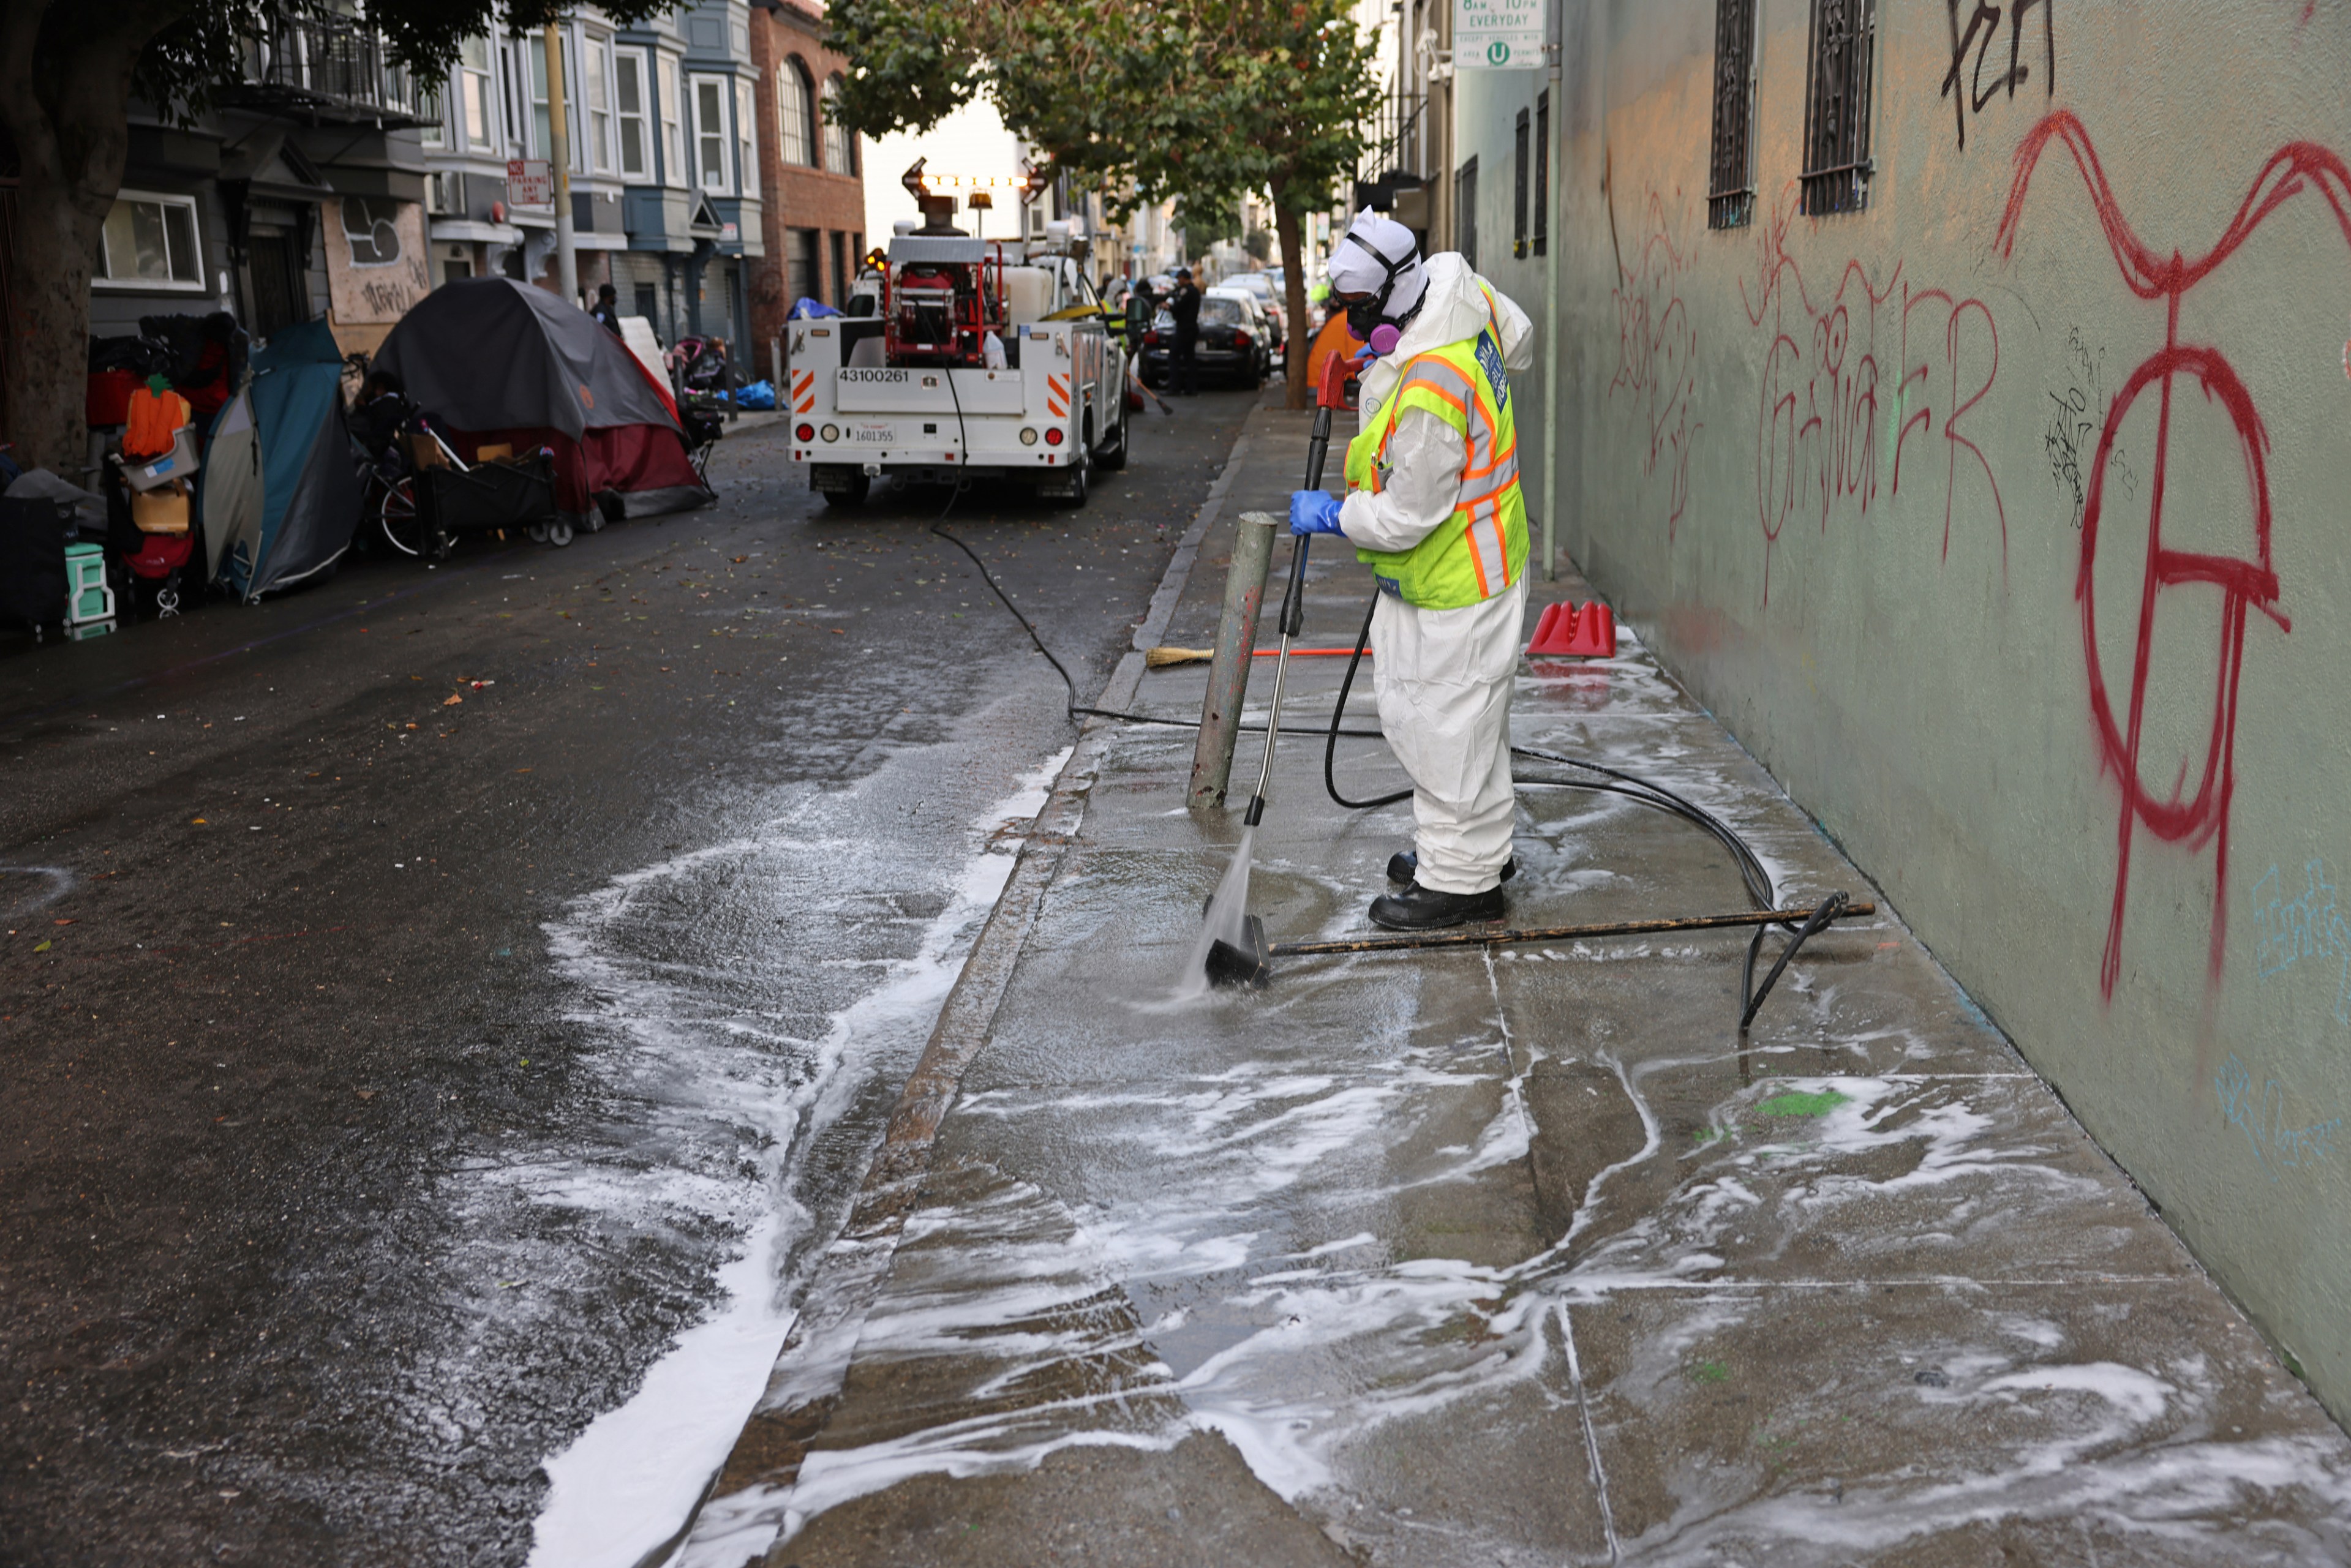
(1568,631)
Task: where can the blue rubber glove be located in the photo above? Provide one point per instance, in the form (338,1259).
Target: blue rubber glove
(1313,512)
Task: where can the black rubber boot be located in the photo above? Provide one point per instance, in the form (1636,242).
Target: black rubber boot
(1404,864)
(1419,908)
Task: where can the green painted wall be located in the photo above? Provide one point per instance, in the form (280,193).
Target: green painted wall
(1845,475)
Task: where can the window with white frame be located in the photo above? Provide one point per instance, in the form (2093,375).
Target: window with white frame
(596,81)
(710,134)
(629,87)
(795,113)
(542,125)
(839,144)
(673,106)
(432,109)
(747,151)
(150,242)
(513,100)
(474,116)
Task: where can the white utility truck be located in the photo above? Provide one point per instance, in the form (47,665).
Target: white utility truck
(982,359)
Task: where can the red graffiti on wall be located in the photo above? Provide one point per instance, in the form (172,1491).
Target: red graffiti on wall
(1657,355)
(1817,424)
(2244,584)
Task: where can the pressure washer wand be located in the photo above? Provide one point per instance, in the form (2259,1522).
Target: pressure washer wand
(1330,395)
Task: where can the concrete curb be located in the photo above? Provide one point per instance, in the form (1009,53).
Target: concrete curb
(744,1508)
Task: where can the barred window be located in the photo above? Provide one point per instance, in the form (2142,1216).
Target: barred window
(1465,211)
(1542,172)
(1730,184)
(1836,105)
(1518,174)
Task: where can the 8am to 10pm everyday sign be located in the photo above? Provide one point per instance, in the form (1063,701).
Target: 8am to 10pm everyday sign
(1498,35)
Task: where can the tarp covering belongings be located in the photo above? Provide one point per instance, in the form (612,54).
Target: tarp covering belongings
(301,517)
(491,361)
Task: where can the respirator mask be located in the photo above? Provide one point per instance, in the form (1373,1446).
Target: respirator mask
(1367,317)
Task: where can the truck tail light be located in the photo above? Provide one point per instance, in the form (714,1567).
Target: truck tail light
(1028,435)
(1054,436)
(806,432)
(832,433)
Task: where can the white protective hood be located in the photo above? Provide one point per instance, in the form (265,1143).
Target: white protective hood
(1454,308)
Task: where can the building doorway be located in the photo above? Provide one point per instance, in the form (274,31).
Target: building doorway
(281,293)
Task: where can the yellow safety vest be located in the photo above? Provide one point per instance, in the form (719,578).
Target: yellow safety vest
(1481,549)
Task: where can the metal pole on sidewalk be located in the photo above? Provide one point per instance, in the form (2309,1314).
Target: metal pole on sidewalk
(1554,241)
(558,136)
(1228,667)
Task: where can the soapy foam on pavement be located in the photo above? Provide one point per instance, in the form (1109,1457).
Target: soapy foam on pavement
(629,1480)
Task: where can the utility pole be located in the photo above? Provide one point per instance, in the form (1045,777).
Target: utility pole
(566,254)
(1554,242)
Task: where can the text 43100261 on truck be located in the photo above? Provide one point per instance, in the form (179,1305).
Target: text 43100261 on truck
(985,358)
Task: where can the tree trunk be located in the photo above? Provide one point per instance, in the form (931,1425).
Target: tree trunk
(1288,222)
(67,110)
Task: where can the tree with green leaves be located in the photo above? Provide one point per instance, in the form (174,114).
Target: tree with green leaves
(1200,100)
(69,74)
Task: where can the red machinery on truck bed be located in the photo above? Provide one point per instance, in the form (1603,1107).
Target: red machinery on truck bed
(939,311)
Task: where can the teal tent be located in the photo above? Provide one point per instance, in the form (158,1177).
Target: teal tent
(310,498)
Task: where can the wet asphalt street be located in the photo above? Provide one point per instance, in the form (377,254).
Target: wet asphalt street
(417,988)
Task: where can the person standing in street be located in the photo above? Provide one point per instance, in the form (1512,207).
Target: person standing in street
(1184,305)
(1434,508)
(608,309)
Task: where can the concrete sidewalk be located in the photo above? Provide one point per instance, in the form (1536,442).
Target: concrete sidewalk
(1493,1256)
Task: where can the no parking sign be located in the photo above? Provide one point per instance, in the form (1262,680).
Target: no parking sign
(1498,35)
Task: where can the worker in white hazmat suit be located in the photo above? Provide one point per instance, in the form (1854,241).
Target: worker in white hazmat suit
(1433,505)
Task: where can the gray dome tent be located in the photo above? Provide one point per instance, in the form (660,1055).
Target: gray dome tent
(489,359)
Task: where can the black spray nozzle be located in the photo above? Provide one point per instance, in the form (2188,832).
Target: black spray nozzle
(1244,963)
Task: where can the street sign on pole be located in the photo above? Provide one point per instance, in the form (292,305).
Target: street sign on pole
(1498,35)
(530,183)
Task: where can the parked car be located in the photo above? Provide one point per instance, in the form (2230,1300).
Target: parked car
(1235,341)
(1266,287)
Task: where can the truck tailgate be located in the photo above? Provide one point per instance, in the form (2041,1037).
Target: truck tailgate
(866,390)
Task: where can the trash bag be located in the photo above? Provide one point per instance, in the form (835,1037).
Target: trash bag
(88,509)
(804,308)
(208,356)
(758,395)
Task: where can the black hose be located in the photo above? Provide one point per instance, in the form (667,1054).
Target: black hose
(1750,998)
(1330,747)
(1752,874)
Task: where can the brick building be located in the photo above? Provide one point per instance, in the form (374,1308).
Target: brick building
(813,170)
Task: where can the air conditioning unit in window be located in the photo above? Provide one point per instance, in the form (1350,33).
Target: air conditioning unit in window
(442,194)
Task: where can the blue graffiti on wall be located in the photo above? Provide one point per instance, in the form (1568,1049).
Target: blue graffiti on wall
(2307,926)
(2262,1118)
